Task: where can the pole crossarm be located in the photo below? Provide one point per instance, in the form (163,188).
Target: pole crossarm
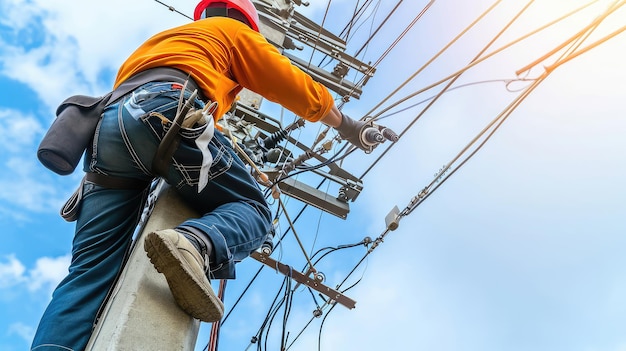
(303,279)
(298,28)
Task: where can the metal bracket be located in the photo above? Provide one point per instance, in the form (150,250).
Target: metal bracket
(295,26)
(303,279)
(248,125)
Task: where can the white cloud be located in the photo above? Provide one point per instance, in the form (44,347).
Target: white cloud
(28,191)
(58,64)
(19,135)
(11,272)
(22,330)
(46,274)
(13,214)
(74,48)
(17,130)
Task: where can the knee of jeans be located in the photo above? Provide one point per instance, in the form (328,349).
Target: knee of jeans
(265,214)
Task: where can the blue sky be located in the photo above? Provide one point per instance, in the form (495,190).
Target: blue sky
(521,249)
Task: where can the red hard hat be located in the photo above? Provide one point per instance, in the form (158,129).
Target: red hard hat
(244,6)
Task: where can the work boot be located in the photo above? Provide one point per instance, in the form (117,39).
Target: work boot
(184,269)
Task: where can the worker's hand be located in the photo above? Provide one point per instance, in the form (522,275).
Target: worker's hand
(364,135)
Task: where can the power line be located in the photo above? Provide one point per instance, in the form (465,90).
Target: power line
(492,127)
(451,76)
(288,293)
(171,8)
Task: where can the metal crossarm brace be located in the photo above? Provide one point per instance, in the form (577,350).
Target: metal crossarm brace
(303,279)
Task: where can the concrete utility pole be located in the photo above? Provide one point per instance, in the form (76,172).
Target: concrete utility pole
(141,313)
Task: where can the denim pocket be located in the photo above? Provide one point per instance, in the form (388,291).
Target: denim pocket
(222,158)
(188,160)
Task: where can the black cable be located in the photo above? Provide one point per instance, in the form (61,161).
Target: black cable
(390,48)
(353,19)
(493,40)
(290,296)
(330,249)
(288,303)
(319,337)
(241,295)
(276,308)
(500,120)
(171,8)
(378,29)
(507,81)
(297,217)
(333,159)
(269,318)
(419,115)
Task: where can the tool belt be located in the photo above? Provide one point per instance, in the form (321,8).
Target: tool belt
(77,119)
(70,209)
(78,116)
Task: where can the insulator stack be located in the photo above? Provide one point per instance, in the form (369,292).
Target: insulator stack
(288,167)
(275,138)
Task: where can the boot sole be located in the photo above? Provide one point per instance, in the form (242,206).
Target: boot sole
(191,293)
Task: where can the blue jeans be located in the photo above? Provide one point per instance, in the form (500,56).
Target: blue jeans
(236,217)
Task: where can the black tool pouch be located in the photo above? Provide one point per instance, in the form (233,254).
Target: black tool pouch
(70,133)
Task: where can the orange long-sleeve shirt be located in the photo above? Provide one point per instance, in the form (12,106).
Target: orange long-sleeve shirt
(223,55)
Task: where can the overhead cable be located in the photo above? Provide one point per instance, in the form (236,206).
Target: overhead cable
(406,30)
(451,76)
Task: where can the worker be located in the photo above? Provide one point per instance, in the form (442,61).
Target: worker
(202,65)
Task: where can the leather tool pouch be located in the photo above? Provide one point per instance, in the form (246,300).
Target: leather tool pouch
(70,133)
(70,209)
